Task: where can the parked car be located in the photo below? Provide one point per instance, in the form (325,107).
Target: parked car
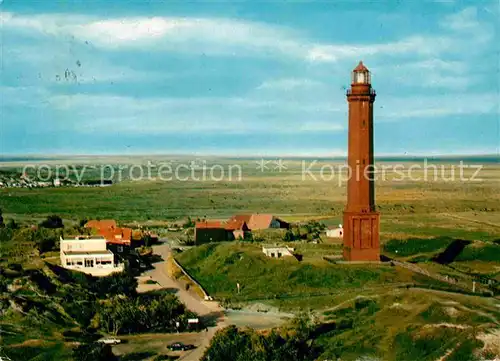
(110,341)
(179,346)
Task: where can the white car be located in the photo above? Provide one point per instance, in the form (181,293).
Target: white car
(110,341)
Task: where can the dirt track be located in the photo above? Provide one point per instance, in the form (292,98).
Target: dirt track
(201,307)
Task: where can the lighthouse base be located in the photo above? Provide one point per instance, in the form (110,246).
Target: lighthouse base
(361,237)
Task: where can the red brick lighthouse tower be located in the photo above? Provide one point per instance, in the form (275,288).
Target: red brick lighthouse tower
(361,220)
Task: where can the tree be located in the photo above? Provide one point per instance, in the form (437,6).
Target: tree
(12,224)
(1,218)
(123,283)
(289,236)
(52,221)
(95,351)
(45,239)
(189,223)
(248,345)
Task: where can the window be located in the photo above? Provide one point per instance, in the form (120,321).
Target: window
(119,249)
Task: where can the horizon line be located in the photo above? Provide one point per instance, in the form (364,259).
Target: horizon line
(219,155)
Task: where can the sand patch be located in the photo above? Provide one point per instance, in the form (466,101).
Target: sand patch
(491,342)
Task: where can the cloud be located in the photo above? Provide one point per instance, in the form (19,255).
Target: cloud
(92,113)
(422,106)
(290,84)
(410,45)
(222,36)
(322,126)
(464,20)
(466,23)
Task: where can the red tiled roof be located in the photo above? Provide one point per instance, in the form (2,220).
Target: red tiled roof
(117,235)
(260,221)
(233,224)
(254,221)
(241,217)
(102,224)
(209,224)
(361,67)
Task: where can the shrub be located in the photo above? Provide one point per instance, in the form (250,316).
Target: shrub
(95,351)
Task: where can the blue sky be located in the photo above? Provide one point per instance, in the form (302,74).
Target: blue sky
(246,78)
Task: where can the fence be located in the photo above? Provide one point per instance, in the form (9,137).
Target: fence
(206,296)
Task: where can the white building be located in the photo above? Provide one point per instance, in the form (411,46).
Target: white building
(337,232)
(277,251)
(88,254)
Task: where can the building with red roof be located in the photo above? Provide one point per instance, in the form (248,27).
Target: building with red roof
(118,239)
(235,227)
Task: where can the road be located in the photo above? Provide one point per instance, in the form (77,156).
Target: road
(206,309)
(203,308)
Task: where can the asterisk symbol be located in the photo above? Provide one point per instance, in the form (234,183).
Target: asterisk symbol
(280,165)
(262,165)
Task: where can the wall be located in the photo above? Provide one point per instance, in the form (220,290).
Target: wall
(83,245)
(206,235)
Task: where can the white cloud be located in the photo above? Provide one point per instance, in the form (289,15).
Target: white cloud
(427,106)
(169,115)
(226,36)
(322,126)
(466,25)
(411,45)
(290,84)
(464,20)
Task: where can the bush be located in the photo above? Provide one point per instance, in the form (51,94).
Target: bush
(412,246)
(245,345)
(95,351)
(52,222)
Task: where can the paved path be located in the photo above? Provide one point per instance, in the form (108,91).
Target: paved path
(160,275)
(194,303)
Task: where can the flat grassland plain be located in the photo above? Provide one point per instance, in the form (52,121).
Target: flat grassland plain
(422,213)
(296,190)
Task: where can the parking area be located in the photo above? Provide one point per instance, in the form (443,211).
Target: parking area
(148,346)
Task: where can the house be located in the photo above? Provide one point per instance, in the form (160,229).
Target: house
(209,231)
(101,224)
(217,231)
(118,239)
(257,221)
(277,251)
(236,229)
(88,254)
(335,232)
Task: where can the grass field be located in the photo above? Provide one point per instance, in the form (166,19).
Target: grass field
(290,193)
(406,325)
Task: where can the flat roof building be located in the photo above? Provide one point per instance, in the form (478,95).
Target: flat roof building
(88,254)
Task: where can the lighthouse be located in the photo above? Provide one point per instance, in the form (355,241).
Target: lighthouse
(361,219)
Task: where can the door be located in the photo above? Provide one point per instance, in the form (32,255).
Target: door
(89,263)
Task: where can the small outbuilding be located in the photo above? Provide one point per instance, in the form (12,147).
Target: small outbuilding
(278,251)
(335,232)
